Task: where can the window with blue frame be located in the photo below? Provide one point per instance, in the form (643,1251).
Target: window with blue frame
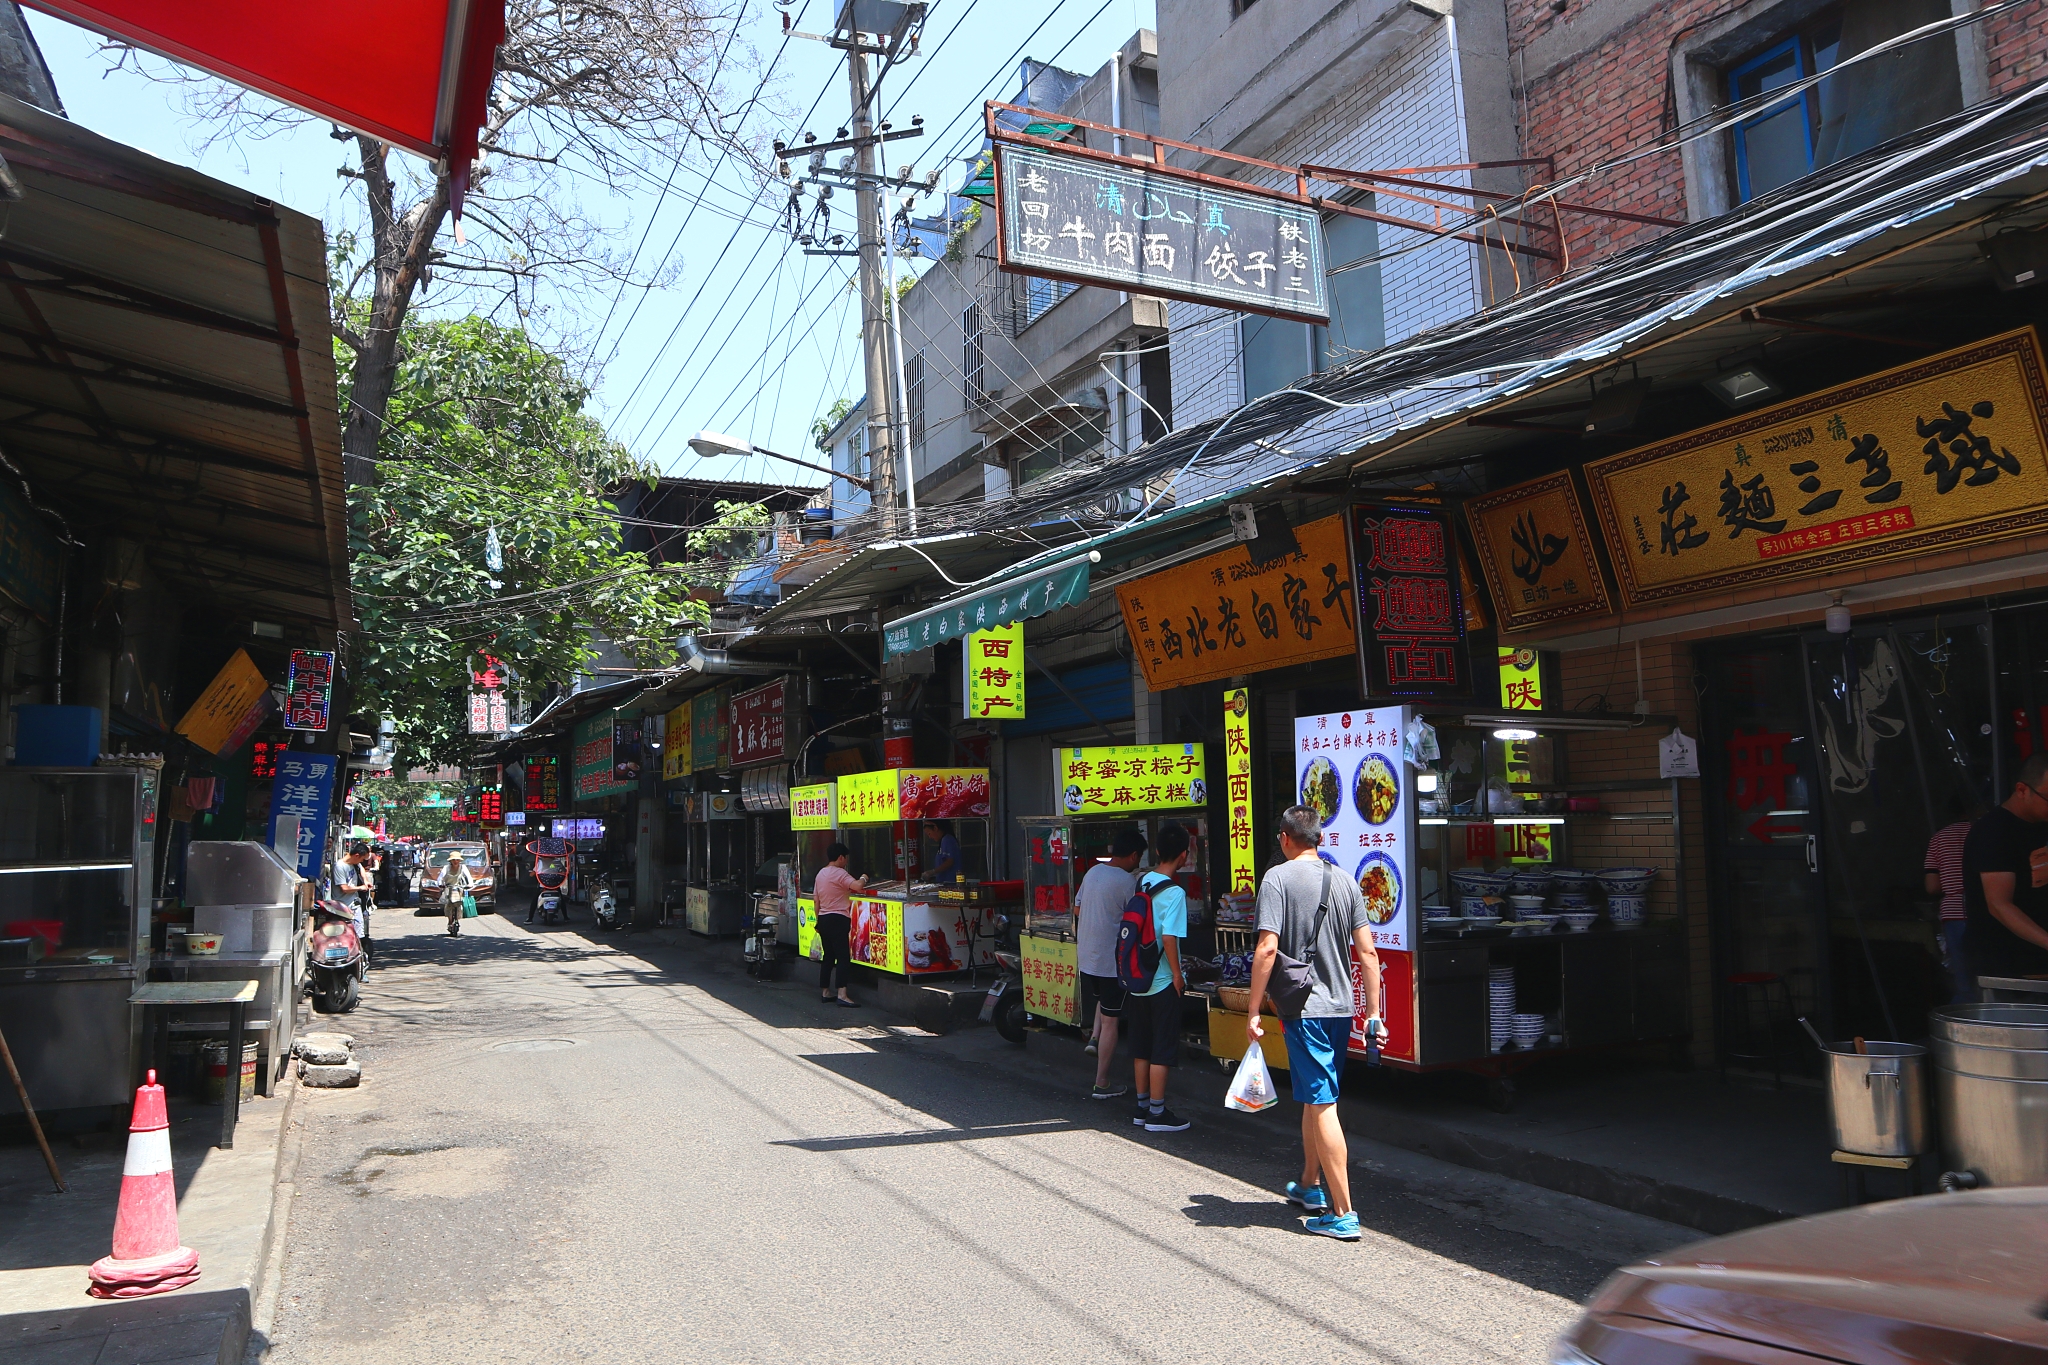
(1277,351)
(1777,144)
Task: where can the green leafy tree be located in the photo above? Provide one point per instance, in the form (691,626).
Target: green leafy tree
(488,441)
(403,806)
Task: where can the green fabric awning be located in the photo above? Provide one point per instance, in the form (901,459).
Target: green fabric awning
(1014,599)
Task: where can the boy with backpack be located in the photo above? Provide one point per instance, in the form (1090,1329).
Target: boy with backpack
(1148,965)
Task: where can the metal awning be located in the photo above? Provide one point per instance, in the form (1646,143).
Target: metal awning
(166,373)
(1011,597)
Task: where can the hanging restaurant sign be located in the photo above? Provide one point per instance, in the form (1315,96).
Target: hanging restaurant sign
(1945,452)
(1537,553)
(309,689)
(757,725)
(993,662)
(675,744)
(1124,779)
(1411,637)
(590,762)
(1061,585)
(220,711)
(1073,217)
(543,782)
(814,807)
(1222,615)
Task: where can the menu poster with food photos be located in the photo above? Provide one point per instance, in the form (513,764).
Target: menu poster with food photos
(1411,616)
(1347,767)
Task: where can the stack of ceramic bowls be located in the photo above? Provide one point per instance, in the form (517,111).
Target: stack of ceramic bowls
(1474,886)
(1500,993)
(1528,1029)
(1530,881)
(1627,889)
(1572,890)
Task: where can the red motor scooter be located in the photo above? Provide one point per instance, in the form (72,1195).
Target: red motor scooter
(335,966)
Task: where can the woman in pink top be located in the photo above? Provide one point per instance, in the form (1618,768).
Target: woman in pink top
(833,890)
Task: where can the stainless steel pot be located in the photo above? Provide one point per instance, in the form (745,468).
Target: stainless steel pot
(1991,1083)
(1878,1099)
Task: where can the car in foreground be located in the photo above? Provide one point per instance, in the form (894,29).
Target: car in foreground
(1954,1279)
(476,857)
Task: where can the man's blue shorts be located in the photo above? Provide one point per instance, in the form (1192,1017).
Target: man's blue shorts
(1315,1057)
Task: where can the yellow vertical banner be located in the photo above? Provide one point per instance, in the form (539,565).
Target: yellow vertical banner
(994,664)
(1237,770)
(1521,679)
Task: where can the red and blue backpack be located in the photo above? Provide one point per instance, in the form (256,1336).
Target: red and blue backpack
(1137,938)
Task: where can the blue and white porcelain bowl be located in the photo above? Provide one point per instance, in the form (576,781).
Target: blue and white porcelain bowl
(1626,910)
(1626,881)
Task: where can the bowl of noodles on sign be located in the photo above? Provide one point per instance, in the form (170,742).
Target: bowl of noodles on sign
(1321,790)
(1379,882)
(1374,790)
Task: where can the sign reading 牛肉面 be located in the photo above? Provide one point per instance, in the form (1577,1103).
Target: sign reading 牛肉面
(1537,553)
(1945,452)
(1073,217)
(1127,778)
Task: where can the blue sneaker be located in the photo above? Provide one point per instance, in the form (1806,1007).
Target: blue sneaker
(1314,1198)
(1342,1226)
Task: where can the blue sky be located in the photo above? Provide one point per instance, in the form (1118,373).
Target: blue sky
(751,337)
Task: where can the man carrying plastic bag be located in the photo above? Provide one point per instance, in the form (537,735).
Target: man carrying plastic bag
(1251,1089)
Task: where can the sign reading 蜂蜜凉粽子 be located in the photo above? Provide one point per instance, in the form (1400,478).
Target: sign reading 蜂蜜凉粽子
(1537,553)
(1124,779)
(1945,452)
(1073,217)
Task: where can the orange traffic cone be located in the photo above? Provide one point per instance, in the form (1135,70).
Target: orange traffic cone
(146,1258)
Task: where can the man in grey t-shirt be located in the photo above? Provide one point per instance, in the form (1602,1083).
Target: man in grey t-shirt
(1318,1041)
(1098,910)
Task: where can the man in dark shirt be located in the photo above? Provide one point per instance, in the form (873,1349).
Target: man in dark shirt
(2005,870)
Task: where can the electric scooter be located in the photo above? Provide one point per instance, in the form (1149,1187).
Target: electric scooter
(335,966)
(551,861)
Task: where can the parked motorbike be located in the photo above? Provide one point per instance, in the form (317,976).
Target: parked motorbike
(1003,1006)
(605,909)
(550,878)
(335,965)
(759,949)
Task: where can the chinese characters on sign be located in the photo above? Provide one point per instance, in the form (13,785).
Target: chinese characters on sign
(1237,773)
(1060,585)
(1537,553)
(590,762)
(309,689)
(543,782)
(480,713)
(814,807)
(1155,232)
(869,798)
(304,789)
(228,701)
(490,806)
(1052,978)
(757,725)
(1942,453)
(707,731)
(675,744)
(1411,635)
(1521,679)
(1126,778)
(993,661)
(1222,615)
(1349,770)
(263,756)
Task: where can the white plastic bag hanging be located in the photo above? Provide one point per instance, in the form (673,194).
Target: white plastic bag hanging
(1418,743)
(1251,1089)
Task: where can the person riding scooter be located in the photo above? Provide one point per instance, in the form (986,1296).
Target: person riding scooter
(551,861)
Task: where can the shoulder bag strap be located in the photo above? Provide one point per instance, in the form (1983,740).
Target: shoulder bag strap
(1315,934)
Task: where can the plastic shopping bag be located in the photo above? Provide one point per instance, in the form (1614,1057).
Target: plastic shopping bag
(1251,1089)
(468,906)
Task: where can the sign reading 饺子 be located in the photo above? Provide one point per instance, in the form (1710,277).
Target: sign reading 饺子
(1941,453)
(1149,230)
(1411,635)
(1537,553)
(814,807)
(1222,614)
(993,661)
(1237,774)
(1019,599)
(1127,778)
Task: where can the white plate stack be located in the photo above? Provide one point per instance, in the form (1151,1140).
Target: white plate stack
(1529,1030)
(1500,992)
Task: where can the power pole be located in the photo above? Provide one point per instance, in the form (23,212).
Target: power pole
(874,299)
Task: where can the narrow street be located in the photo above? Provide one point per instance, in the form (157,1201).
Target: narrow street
(565,1149)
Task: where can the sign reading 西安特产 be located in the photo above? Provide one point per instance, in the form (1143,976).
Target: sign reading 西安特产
(1127,778)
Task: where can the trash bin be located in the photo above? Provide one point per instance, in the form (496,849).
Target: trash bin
(216,1063)
(1991,1084)
(1877,1099)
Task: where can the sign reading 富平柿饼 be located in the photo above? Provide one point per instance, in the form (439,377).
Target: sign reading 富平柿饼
(1128,778)
(1941,453)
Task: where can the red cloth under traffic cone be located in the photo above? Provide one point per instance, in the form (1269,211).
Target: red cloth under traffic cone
(146,1258)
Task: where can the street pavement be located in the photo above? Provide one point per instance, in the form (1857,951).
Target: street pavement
(572,1146)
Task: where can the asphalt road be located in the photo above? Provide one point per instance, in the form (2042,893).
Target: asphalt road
(575,1147)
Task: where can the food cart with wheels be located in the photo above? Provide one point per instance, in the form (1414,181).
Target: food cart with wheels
(715,864)
(1100,792)
(905,924)
(814,820)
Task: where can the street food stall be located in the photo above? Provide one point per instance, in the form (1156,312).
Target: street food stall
(1100,792)
(905,924)
(715,866)
(76,851)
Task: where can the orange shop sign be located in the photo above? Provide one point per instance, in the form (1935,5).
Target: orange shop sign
(1222,614)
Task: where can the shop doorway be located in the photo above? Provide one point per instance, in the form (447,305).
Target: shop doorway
(1831,760)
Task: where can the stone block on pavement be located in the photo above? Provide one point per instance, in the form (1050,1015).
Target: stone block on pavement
(325,1049)
(331,1077)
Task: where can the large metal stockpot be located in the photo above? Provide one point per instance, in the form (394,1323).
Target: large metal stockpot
(1878,1098)
(1991,1083)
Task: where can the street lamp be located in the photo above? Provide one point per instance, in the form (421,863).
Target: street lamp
(710,443)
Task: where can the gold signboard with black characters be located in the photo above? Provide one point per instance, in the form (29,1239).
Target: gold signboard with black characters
(1941,453)
(1537,553)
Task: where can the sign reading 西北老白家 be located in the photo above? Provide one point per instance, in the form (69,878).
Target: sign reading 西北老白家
(1126,778)
(814,807)
(1945,452)
(1222,615)
(591,769)
(1237,773)
(1537,552)
(1155,232)
(993,661)
(1060,585)
(1411,633)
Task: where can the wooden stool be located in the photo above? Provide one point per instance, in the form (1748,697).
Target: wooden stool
(1855,1164)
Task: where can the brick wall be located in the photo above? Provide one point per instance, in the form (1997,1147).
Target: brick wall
(2016,49)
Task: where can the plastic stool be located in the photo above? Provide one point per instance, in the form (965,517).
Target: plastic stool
(1759,1003)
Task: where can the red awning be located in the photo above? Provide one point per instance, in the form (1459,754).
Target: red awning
(414,73)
